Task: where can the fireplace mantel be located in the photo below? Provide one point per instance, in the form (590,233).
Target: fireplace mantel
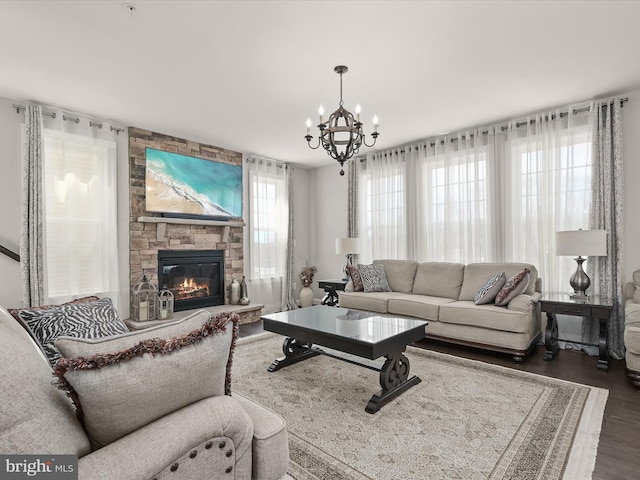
(162,224)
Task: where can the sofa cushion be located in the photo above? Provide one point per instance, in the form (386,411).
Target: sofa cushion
(85,318)
(374,278)
(490,289)
(419,306)
(36,417)
(370,302)
(356,279)
(400,274)
(179,363)
(513,287)
(475,274)
(439,279)
(485,316)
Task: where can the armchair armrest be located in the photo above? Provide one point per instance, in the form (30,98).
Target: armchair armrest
(211,427)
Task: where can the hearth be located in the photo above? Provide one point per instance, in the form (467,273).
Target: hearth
(196,277)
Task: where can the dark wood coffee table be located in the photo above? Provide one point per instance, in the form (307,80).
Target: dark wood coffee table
(356,332)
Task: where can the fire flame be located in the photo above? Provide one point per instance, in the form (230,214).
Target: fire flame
(190,288)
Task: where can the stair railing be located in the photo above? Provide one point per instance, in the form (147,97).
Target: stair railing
(9,253)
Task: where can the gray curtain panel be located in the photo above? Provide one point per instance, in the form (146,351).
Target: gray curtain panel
(288,300)
(31,231)
(352,201)
(607,213)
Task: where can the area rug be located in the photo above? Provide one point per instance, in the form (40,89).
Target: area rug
(466,419)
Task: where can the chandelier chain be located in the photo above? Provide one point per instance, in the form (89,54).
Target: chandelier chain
(340,89)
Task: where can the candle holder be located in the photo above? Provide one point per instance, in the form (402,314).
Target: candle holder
(144,297)
(165,304)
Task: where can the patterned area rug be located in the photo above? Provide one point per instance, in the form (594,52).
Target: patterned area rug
(465,420)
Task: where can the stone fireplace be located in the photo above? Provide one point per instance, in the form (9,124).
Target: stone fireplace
(150,233)
(195,277)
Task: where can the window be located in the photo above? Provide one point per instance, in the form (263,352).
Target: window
(80,209)
(268,221)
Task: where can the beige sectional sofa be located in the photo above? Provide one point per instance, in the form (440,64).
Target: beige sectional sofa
(443,294)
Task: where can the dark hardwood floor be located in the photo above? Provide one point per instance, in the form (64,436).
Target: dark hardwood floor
(619,449)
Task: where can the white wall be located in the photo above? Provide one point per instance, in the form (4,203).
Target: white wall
(10,202)
(631,126)
(329,211)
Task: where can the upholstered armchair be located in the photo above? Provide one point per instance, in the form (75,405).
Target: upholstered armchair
(632,328)
(145,405)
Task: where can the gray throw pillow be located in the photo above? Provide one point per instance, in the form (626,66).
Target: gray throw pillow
(119,384)
(373,278)
(487,293)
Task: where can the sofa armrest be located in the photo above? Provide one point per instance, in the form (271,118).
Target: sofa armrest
(523,302)
(172,439)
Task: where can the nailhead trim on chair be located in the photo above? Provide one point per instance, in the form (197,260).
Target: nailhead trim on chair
(222,458)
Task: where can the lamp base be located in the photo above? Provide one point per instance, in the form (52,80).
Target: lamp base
(578,296)
(579,280)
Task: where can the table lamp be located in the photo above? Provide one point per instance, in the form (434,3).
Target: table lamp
(348,247)
(590,243)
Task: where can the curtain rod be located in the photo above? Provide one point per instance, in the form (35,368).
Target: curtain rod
(575,111)
(278,163)
(69,118)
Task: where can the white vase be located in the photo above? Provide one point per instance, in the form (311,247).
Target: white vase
(306,297)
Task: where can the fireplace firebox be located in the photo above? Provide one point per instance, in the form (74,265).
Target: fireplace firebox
(195,277)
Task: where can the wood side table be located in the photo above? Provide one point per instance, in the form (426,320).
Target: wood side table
(594,307)
(331,287)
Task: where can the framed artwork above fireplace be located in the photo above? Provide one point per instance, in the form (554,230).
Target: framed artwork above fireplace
(189,187)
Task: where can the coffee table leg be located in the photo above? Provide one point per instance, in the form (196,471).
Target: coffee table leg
(294,352)
(394,380)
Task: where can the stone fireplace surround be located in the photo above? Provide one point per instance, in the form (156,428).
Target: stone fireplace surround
(148,234)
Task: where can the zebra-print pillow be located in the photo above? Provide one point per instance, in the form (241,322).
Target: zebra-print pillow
(80,320)
(374,278)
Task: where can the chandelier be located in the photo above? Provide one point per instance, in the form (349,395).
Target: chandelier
(342,135)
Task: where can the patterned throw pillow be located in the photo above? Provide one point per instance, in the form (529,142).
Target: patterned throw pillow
(490,289)
(514,287)
(177,364)
(92,319)
(373,278)
(354,274)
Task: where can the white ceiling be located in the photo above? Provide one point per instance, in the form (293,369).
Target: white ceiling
(245,75)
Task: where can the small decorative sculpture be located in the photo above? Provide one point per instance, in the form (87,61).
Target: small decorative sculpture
(235,292)
(244,295)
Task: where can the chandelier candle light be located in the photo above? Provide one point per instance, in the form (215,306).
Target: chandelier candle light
(590,243)
(341,136)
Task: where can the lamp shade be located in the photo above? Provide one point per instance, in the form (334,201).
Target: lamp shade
(588,243)
(346,246)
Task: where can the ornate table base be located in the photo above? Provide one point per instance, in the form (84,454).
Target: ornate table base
(394,374)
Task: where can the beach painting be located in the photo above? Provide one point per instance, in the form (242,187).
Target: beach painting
(185,185)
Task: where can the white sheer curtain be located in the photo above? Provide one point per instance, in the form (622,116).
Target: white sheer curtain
(455,209)
(547,173)
(382,199)
(490,194)
(268,217)
(81,253)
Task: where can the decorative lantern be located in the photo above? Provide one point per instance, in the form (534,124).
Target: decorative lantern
(165,304)
(143,301)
